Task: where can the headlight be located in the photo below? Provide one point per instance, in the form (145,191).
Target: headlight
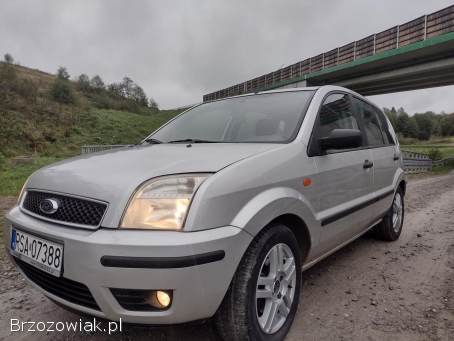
(21,193)
(162,203)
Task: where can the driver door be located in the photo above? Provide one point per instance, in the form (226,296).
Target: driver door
(344,181)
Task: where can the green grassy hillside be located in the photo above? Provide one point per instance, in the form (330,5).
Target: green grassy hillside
(63,134)
(33,124)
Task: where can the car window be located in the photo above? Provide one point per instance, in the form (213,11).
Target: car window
(371,123)
(385,127)
(272,117)
(336,113)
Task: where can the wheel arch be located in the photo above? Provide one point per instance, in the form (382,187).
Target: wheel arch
(403,186)
(285,206)
(299,229)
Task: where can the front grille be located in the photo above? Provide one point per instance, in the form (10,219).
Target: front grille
(64,288)
(72,210)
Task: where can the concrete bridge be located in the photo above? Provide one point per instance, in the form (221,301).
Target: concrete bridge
(415,55)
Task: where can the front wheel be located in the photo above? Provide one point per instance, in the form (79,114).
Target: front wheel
(263,297)
(390,227)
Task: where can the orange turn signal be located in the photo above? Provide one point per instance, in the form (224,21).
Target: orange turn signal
(307,182)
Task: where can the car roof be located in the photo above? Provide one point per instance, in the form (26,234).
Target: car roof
(308,88)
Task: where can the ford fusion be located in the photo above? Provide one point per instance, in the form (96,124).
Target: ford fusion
(215,214)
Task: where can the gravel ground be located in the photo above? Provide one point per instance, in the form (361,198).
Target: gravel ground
(369,290)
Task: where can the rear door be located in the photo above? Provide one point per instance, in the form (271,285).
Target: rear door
(385,155)
(343,182)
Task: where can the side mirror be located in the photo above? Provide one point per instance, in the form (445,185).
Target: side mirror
(341,139)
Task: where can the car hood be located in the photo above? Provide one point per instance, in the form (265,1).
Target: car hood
(112,176)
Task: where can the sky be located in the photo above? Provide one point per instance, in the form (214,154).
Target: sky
(180,50)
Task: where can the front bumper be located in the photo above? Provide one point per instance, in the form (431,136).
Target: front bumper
(198,286)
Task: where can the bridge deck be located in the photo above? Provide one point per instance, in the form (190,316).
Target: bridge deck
(414,55)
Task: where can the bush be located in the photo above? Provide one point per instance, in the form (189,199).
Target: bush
(8,58)
(7,73)
(62,73)
(26,88)
(2,161)
(83,82)
(97,83)
(435,154)
(11,86)
(406,140)
(61,91)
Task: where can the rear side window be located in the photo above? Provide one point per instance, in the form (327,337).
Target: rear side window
(371,123)
(336,113)
(385,127)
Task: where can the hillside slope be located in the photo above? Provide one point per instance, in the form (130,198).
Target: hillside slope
(31,122)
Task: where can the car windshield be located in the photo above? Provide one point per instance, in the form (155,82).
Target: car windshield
(272,117)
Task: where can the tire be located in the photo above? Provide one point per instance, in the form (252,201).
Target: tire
(241,315)
(390,229)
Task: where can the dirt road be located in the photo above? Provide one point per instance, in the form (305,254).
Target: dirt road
(370,290)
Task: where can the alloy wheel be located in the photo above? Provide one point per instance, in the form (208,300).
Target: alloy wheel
(275,290)
(397,210)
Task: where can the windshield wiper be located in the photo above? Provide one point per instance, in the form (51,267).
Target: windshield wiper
(193,141)
(151,140)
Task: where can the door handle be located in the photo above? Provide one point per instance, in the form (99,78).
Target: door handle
(396,157)
(368,164)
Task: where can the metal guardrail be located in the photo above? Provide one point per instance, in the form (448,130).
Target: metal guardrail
(444,162)
(413,162)
(419,163)
(420,29)
(416,162)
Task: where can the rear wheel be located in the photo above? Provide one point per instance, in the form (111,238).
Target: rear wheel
(263,297)
(391,226)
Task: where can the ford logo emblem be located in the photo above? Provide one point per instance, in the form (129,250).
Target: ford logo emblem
(49,206)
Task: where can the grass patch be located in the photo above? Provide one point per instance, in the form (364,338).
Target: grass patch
(12,178)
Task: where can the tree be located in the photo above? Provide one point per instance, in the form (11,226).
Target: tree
(138,95)
(153,105)
(127,86)
(62,73)
(435,154)
(114,89)
(392,115)
(406,125)
(447,125)
(61,91)
(97,83)
(34,136)
(425,125)
(8,58)
(83,82)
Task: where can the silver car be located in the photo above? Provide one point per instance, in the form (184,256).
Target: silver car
(215,214)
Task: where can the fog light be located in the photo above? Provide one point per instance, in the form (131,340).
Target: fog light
(142,299)
(163,298)
(160,299)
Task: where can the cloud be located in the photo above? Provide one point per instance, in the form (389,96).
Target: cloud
(179,50)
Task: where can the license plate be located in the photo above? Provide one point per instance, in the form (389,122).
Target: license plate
(39,252)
